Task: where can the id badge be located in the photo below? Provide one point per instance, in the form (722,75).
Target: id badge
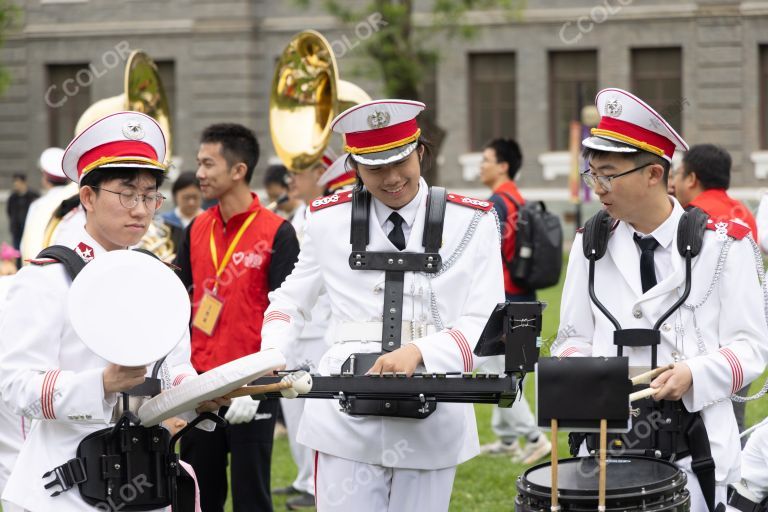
(208,313)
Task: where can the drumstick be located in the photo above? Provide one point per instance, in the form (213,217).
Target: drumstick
(603,449)
(290,386)
(258,390)
(643,393)
(647,377)
(555,505)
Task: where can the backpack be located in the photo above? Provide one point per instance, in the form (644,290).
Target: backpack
(538,257)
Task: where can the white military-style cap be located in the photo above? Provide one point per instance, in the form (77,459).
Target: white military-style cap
(338,175)
(50,165)
(628,125)
(380,132)
(120,140)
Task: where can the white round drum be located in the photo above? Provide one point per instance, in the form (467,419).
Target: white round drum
(212,384)
(129,308)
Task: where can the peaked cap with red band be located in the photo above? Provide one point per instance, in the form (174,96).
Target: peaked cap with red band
(380,132)
(338,175)
(628,125)
(50,165)
(120,140)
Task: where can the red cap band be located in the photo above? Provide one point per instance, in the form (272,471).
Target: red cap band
(120,148)
(382,136)
(638,133)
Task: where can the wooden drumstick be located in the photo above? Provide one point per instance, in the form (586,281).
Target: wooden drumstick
(555,504)
(603,449)
(643,393)
(647,377)
(290,386)
(259,390)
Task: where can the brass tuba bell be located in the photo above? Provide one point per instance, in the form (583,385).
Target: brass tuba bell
(306,95)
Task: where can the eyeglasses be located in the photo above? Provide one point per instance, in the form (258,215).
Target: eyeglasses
(591,180)
(129,199)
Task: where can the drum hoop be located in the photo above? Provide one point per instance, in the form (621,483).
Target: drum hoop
(650,490)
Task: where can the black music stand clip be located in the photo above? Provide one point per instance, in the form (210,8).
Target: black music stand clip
(514,331)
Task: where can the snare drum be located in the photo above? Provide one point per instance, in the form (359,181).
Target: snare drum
(632,483)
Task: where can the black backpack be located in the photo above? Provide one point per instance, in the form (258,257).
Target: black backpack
(538,257)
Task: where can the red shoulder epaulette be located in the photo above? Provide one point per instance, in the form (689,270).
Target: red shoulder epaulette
(42,261)
(732,229)
(325,202)
(477,204)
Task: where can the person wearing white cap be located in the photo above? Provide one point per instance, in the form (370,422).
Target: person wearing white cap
(47,373)
(639,246)
(56,188)
(371,458)
(307,349)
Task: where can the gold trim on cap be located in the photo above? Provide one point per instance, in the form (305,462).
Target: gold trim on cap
(383,147)
(629,140)
(122,159)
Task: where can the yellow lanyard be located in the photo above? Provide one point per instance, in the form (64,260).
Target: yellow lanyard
(231,249)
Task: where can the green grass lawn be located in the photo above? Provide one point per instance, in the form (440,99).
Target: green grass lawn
(487,483)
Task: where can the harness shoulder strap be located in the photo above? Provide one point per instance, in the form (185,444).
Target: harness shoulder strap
(690,231)
(435,218)
(596,233)
(66,256)
(359,236)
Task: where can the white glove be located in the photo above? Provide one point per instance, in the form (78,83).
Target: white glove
(242,410)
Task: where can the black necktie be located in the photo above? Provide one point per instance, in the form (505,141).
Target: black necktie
(396,236)
(647,244)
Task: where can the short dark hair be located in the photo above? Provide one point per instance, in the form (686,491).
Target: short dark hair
(277,174)
(712,165)
(184,180)
(507,150)
(20,176)
(238,144)
(426,163)
(637,158)
(98,176)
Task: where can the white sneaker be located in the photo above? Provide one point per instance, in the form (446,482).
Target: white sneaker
(501,448)
(535,450)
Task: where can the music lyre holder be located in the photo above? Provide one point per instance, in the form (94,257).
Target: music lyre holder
(583,393)
(513,330)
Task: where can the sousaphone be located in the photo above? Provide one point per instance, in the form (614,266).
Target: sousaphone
(305,96)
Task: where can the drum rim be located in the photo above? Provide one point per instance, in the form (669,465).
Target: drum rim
(678,481)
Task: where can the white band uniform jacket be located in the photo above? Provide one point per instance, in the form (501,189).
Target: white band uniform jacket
(731,321)
(465,295)
(49,375)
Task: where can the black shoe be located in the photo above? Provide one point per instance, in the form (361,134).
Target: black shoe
(286,491)
(304,500)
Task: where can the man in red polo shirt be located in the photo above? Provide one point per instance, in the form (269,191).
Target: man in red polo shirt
(702,179)
(501,162)
(232,256)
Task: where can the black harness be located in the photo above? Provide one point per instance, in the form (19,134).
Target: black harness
(394,265)
(671,431)
(742,503)
(126,467)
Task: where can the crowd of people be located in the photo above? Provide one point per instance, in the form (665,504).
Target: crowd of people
(276,276)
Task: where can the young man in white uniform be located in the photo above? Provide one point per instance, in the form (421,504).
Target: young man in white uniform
(46,372)
(718,338)
(382,463)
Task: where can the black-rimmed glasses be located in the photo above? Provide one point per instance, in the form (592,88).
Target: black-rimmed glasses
(591,180)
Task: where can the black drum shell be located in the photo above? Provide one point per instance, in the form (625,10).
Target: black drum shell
(632,484)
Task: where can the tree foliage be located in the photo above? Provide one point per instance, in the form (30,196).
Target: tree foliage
(9,14)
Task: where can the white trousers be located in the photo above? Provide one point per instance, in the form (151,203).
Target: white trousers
(344,485)
(511,423)
(304,457)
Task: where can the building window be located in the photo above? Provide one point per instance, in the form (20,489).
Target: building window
(657,78)
(764,97)
(492,98)
(167,71)
(68,95)
(572,86)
